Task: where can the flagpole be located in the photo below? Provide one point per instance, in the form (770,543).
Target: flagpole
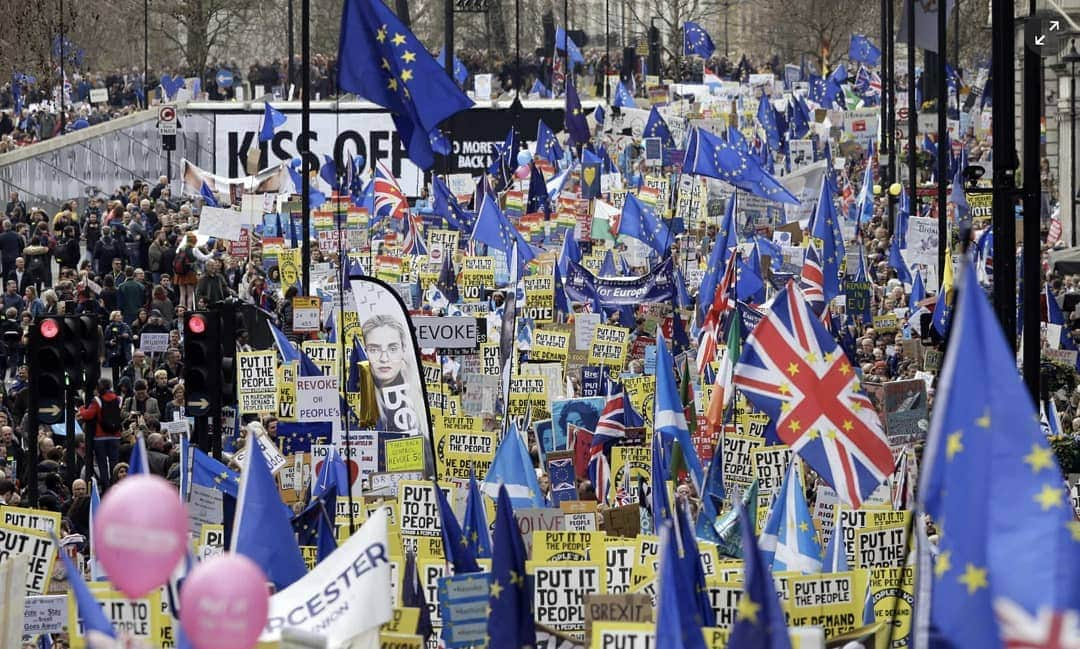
(942,128)
(305,130)
(913,111)
(343,277)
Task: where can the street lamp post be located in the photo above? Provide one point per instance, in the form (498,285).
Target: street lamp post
(1072,58)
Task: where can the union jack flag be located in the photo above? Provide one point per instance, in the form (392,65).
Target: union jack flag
(1050,629)
(612,422)
(389,199)
(723,302)
(413,241)
(812,280)
(792,369)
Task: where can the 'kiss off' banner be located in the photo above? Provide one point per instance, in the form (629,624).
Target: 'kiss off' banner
(371,134)
(657,285)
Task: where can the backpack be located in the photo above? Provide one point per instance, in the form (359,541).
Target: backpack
(110,420)
(182,264)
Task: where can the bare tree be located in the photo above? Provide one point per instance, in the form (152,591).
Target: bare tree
(196,27)
(669,15)
(818,28)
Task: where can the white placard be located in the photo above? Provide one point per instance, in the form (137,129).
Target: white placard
(482,87)
(221,223)
(99,95)
(153,343)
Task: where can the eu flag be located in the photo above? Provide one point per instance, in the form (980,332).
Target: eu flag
(547,146)
(460,73)
(623,98)
(657,127)
(564,43)
(641,223)
(510,621)
(575,123)
(1008,563)
(455,544)
(494,229)
(708,155)
(380,59)
(272,120)
(678,624)
(862,50)
(696,41)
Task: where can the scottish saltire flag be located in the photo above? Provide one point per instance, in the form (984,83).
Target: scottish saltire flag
(623,98)
(792,369)
(512,468)
(862,50)
(272,120)
(510,620)
(1007,573)
(460,73)
(865,210)
(669,420)
(760,622)
(563,43)
(576,126)
(696,41)
(380,59)
(788,541)
(835,555)
(708,155)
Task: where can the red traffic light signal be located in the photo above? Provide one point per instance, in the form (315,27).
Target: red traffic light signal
(49,328)
(196,324)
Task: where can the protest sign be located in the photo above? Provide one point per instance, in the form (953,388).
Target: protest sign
(609,346)
(560,470)
(550,345)
(559,590)
(539,298)
(832,601)
(528,393)
(770,464)
(550,545)
(418,511)
(624,521)
(461,445)
(737,454)
(221,223)
(44,614)
(38,547)
(255,382)
(606,608)
(463,607)
(881,546)
(286,390)
(907,415)
(317,399)
(629,466)
(153,343)
(306,312)
(335,599)
(853,520)
(35,519)
(274,459)
(405,454)
(447,332)
(631,635)
(724,596)
(138,618)
(892,594)
(323,355)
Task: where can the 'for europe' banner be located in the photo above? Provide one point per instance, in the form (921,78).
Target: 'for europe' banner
(655,286)
(346,595)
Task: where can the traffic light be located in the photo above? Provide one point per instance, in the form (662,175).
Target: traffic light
(81,350)
(202,362)
(47,368)
(232,322)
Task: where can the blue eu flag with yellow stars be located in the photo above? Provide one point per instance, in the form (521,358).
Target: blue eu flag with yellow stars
(510,621)
(696,41)
(708,155)
(576,126)
(862,50)
(1008,562)
(382,61)
(657,127)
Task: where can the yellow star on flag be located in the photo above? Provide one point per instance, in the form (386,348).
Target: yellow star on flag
(803,527)
(1049,497)
(391,83)
(381,35)
(496,589)
(516,579)
(748,610)
(974,578)
(794,425)
(984,421)
(792,369)
(848,426)
(408,56)
(1074,529)
(1039,458)
(954,444)
(398,39)
(943,564)
(406,75)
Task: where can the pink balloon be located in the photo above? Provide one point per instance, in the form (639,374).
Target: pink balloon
(224,603)
(523,172)
(140,533)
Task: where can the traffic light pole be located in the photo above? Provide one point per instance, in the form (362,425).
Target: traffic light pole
(69,430)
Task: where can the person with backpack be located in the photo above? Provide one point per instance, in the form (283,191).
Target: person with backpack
(184,269)
(103,418)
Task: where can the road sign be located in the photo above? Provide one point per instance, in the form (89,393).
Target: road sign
(197,407)
(224,78)
(50,413)
(167,120)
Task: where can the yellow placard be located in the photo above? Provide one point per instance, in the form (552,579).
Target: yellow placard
(405,454)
